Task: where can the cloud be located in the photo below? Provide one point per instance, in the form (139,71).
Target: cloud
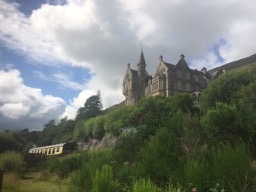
(103,36)
(25,107)
(65,80)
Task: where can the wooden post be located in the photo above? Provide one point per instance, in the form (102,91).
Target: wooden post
(1,179)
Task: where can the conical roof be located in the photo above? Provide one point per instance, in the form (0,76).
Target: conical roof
(142,60)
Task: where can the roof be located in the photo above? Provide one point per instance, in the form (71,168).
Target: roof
(169,65)
(48,146)
(235,64)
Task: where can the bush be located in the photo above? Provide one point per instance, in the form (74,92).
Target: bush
(11,161)
(231,168)
(65,165)
(197,173)
(103,180)
(82,179)
(145,185)
(161,157)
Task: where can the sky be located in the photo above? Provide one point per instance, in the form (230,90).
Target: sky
(55,54)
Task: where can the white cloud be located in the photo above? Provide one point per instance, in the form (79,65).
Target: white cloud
(65,80)
(76,103)
(21,106)
(105,35)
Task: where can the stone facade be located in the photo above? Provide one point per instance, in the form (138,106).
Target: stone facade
(168,80)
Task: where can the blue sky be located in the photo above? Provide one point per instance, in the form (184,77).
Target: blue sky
(54,54)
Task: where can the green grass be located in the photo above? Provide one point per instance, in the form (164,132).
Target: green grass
(33,181)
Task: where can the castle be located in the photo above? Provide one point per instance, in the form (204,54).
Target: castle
(170,79)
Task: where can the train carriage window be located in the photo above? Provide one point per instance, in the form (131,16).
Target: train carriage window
(49,151)
(53,151)
(58,149)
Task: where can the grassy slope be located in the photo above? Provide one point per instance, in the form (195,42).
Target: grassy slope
(33,181)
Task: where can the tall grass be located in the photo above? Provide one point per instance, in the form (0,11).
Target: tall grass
(196,173)
(145,185)
(65,165)
(82,179)
(103,180)
(11,161)
(230,167)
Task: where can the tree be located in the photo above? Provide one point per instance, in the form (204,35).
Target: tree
(228,123)
(92,107)
(226,87)
(48,134)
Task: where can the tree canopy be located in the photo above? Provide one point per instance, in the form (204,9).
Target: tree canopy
(92,107)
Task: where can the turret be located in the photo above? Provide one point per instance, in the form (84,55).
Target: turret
(142,74)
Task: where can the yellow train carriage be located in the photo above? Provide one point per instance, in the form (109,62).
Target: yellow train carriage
(57,149)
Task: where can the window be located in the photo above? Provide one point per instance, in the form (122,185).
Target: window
(58,149)
(179,74)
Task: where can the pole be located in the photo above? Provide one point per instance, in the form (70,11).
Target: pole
(1,179)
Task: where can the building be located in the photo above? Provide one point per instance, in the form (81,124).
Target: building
(168,80)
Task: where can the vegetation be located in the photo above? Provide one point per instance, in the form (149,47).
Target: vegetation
(164,144)
(11,161)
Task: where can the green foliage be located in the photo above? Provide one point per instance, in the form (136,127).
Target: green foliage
(182,102)
(118,118)
(145,185)
(103,180)
(48,134)
(230,167)
(57,133)
(82,179)
(98,127)
(227,122)
(11,161)
(92,107)
(196,173)
(246,97)
(161,156)
(65,165)
(225,88)
(128,149)
(18,140)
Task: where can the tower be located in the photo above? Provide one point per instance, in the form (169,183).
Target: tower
(141,66)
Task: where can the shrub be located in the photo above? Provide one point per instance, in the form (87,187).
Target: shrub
(161,157)
(230,167)
(65,165)
(11,161)
(145,185)
(82,179)
(103,180)
(197,173)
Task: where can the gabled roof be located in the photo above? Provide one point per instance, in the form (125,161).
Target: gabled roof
(182,63)
(169,65)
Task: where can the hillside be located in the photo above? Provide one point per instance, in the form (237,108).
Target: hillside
(236,65)
(169,144)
